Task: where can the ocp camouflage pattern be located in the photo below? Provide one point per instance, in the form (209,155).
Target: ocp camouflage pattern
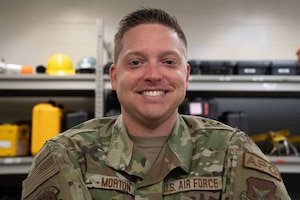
(203,159)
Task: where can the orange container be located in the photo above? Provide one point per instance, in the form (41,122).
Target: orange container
(46,123)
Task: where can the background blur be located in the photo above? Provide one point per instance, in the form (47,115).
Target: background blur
(33,30)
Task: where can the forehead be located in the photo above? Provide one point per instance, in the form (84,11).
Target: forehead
(144,31)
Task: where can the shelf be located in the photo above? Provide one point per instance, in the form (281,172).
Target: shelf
(239,83)
(286,164)
(15,165)
(233,83)
(47,82)
(244,83)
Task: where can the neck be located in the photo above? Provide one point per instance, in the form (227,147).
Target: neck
(149,128)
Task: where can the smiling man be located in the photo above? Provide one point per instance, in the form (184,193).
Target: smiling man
(150,76)
(150,151)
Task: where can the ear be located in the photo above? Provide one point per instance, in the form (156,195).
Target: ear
(188,70)
(112,75)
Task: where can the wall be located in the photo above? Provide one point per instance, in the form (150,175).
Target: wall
(32,30)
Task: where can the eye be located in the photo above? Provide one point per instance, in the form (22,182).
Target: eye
(135,62)
(169,62)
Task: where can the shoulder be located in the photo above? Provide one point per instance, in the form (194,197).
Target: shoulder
(217,134)
(197,122)
(245,168)
(252,174)
(101,125)
(207,127)
(88,131)
(89,135)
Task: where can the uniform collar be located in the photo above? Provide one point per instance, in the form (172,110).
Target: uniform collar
(180,143)
(120,153)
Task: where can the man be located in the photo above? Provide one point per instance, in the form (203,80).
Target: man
(150,151)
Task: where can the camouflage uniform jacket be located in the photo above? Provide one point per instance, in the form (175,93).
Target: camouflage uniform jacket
(202,159)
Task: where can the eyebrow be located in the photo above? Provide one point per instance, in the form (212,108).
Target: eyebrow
(129,53)
(164,53)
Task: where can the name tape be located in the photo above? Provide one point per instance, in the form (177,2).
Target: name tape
(193,183)
(110,182)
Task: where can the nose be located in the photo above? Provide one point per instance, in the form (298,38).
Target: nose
(153,73)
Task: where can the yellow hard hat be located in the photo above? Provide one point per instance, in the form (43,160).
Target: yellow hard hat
(59,64)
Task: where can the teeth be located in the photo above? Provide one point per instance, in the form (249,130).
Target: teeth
(153,93)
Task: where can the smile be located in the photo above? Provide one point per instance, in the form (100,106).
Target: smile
(153,93)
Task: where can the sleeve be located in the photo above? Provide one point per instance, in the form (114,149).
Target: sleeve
(54,176)
(249,175)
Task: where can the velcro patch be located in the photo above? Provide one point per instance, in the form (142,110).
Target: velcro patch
(110,182)
(47,193)
(193,183)
(255,162)
(259,189)
(39,175)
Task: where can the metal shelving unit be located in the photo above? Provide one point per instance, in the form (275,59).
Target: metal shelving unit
(43,84)
(89,82)
(47,82)
(245,83)
(15,165)
(28,84)
(233,83)
(20,165)
(99,89)
(98,83)
(286,164)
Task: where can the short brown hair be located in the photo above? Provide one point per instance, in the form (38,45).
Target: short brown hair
(146,16)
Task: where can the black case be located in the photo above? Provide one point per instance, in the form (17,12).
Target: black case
(252,67)
(236,119)
(217,67)
(76,117)
(284,67)
(195,66)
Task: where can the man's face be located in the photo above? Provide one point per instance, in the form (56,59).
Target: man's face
(151,73)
